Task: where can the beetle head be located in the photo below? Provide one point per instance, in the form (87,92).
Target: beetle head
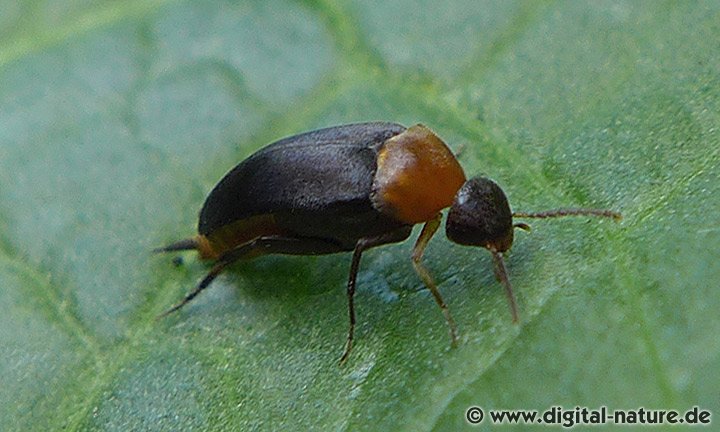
(480,216)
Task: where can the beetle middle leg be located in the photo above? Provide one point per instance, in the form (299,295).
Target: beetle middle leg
(257,247)
(428,230)
(361,246)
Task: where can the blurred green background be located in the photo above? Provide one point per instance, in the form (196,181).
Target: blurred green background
(118,117)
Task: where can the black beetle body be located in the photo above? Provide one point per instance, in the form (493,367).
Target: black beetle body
(315,185)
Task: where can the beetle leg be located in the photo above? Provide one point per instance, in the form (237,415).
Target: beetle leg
(361,246)
(428,230)
(257,247)
(204,283)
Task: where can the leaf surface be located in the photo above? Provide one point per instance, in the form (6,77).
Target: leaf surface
(117,118)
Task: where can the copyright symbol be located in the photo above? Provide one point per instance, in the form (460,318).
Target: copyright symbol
(474,415)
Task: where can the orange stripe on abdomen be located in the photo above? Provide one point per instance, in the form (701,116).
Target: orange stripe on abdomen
(235,234)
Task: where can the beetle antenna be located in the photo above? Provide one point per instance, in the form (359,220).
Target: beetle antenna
(502,277)
(570,212)
(185,244)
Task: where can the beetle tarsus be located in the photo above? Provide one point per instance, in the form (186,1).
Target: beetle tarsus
(346,351)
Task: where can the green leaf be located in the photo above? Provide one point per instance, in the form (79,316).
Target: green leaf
(117,118)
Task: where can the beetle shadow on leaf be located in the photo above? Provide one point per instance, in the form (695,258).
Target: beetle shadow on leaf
(292,276)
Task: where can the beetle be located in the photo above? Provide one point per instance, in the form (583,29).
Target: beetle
(350,188)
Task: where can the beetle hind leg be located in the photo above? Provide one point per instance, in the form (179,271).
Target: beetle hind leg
(223,262)
(255,248)
(204,283)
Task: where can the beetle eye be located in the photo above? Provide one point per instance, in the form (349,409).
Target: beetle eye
(480,216)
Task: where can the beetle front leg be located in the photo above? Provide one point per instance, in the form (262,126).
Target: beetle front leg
(428,230)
